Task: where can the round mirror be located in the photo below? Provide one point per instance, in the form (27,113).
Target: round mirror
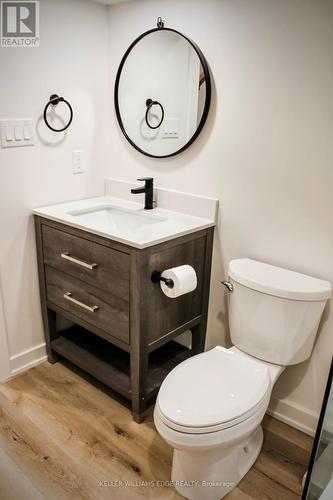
(162,92)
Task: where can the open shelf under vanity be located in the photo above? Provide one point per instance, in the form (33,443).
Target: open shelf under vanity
(111,365)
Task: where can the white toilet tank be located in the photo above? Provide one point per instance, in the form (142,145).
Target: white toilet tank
(274,313)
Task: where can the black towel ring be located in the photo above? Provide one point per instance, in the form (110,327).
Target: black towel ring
(149,104)
(54,101)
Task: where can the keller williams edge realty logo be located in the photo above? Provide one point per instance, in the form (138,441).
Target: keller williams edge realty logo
(19,24)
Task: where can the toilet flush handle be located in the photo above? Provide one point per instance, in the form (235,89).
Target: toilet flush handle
(228,285)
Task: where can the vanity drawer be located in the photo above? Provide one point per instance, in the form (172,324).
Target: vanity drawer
(98,265)
(103,310)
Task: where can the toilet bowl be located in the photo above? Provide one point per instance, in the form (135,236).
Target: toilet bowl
(210,407)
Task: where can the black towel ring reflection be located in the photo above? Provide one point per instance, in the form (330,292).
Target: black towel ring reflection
(54,101)
(150,103)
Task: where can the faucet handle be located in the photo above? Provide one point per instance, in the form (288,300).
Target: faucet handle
(147,180)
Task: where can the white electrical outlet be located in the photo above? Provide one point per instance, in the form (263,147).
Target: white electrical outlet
(78,162)
(171,128)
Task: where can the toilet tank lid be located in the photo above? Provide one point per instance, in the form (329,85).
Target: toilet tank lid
(277,281)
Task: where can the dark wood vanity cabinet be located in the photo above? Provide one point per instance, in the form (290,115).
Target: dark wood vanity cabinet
(121,326)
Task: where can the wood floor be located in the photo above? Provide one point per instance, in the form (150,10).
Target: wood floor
(62,438)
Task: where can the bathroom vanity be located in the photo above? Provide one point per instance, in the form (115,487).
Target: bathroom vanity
(122,327)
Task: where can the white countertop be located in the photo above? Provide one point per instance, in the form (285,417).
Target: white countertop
(124,221)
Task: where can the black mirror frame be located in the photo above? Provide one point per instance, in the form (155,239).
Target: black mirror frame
(207,100)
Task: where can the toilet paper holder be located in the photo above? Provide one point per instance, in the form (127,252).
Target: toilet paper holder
(156,277)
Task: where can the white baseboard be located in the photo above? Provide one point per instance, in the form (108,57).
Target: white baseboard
(27,359)
(296,416)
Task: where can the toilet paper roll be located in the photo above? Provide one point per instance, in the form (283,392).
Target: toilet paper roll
(184,278)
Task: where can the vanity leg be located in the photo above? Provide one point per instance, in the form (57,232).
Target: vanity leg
(139,351)
(198,338)
(139,370)
(138,417)
(48,316)
(51,334)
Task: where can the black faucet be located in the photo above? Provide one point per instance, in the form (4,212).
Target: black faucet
(148,189)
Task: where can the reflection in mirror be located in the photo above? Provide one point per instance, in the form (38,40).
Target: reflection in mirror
(162,93)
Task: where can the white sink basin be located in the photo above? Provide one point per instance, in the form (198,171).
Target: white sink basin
(124,221)
(110,218)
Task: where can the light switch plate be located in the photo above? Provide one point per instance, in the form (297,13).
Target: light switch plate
(16,133)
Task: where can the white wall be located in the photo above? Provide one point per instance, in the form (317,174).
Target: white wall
(72,60)
(266,150)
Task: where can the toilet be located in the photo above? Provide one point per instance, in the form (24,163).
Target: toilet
(210,407)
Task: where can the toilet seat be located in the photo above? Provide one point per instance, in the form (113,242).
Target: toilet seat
(260,409)
(213,390)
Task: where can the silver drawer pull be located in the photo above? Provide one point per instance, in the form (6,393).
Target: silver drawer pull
(68,296)
(67,256)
